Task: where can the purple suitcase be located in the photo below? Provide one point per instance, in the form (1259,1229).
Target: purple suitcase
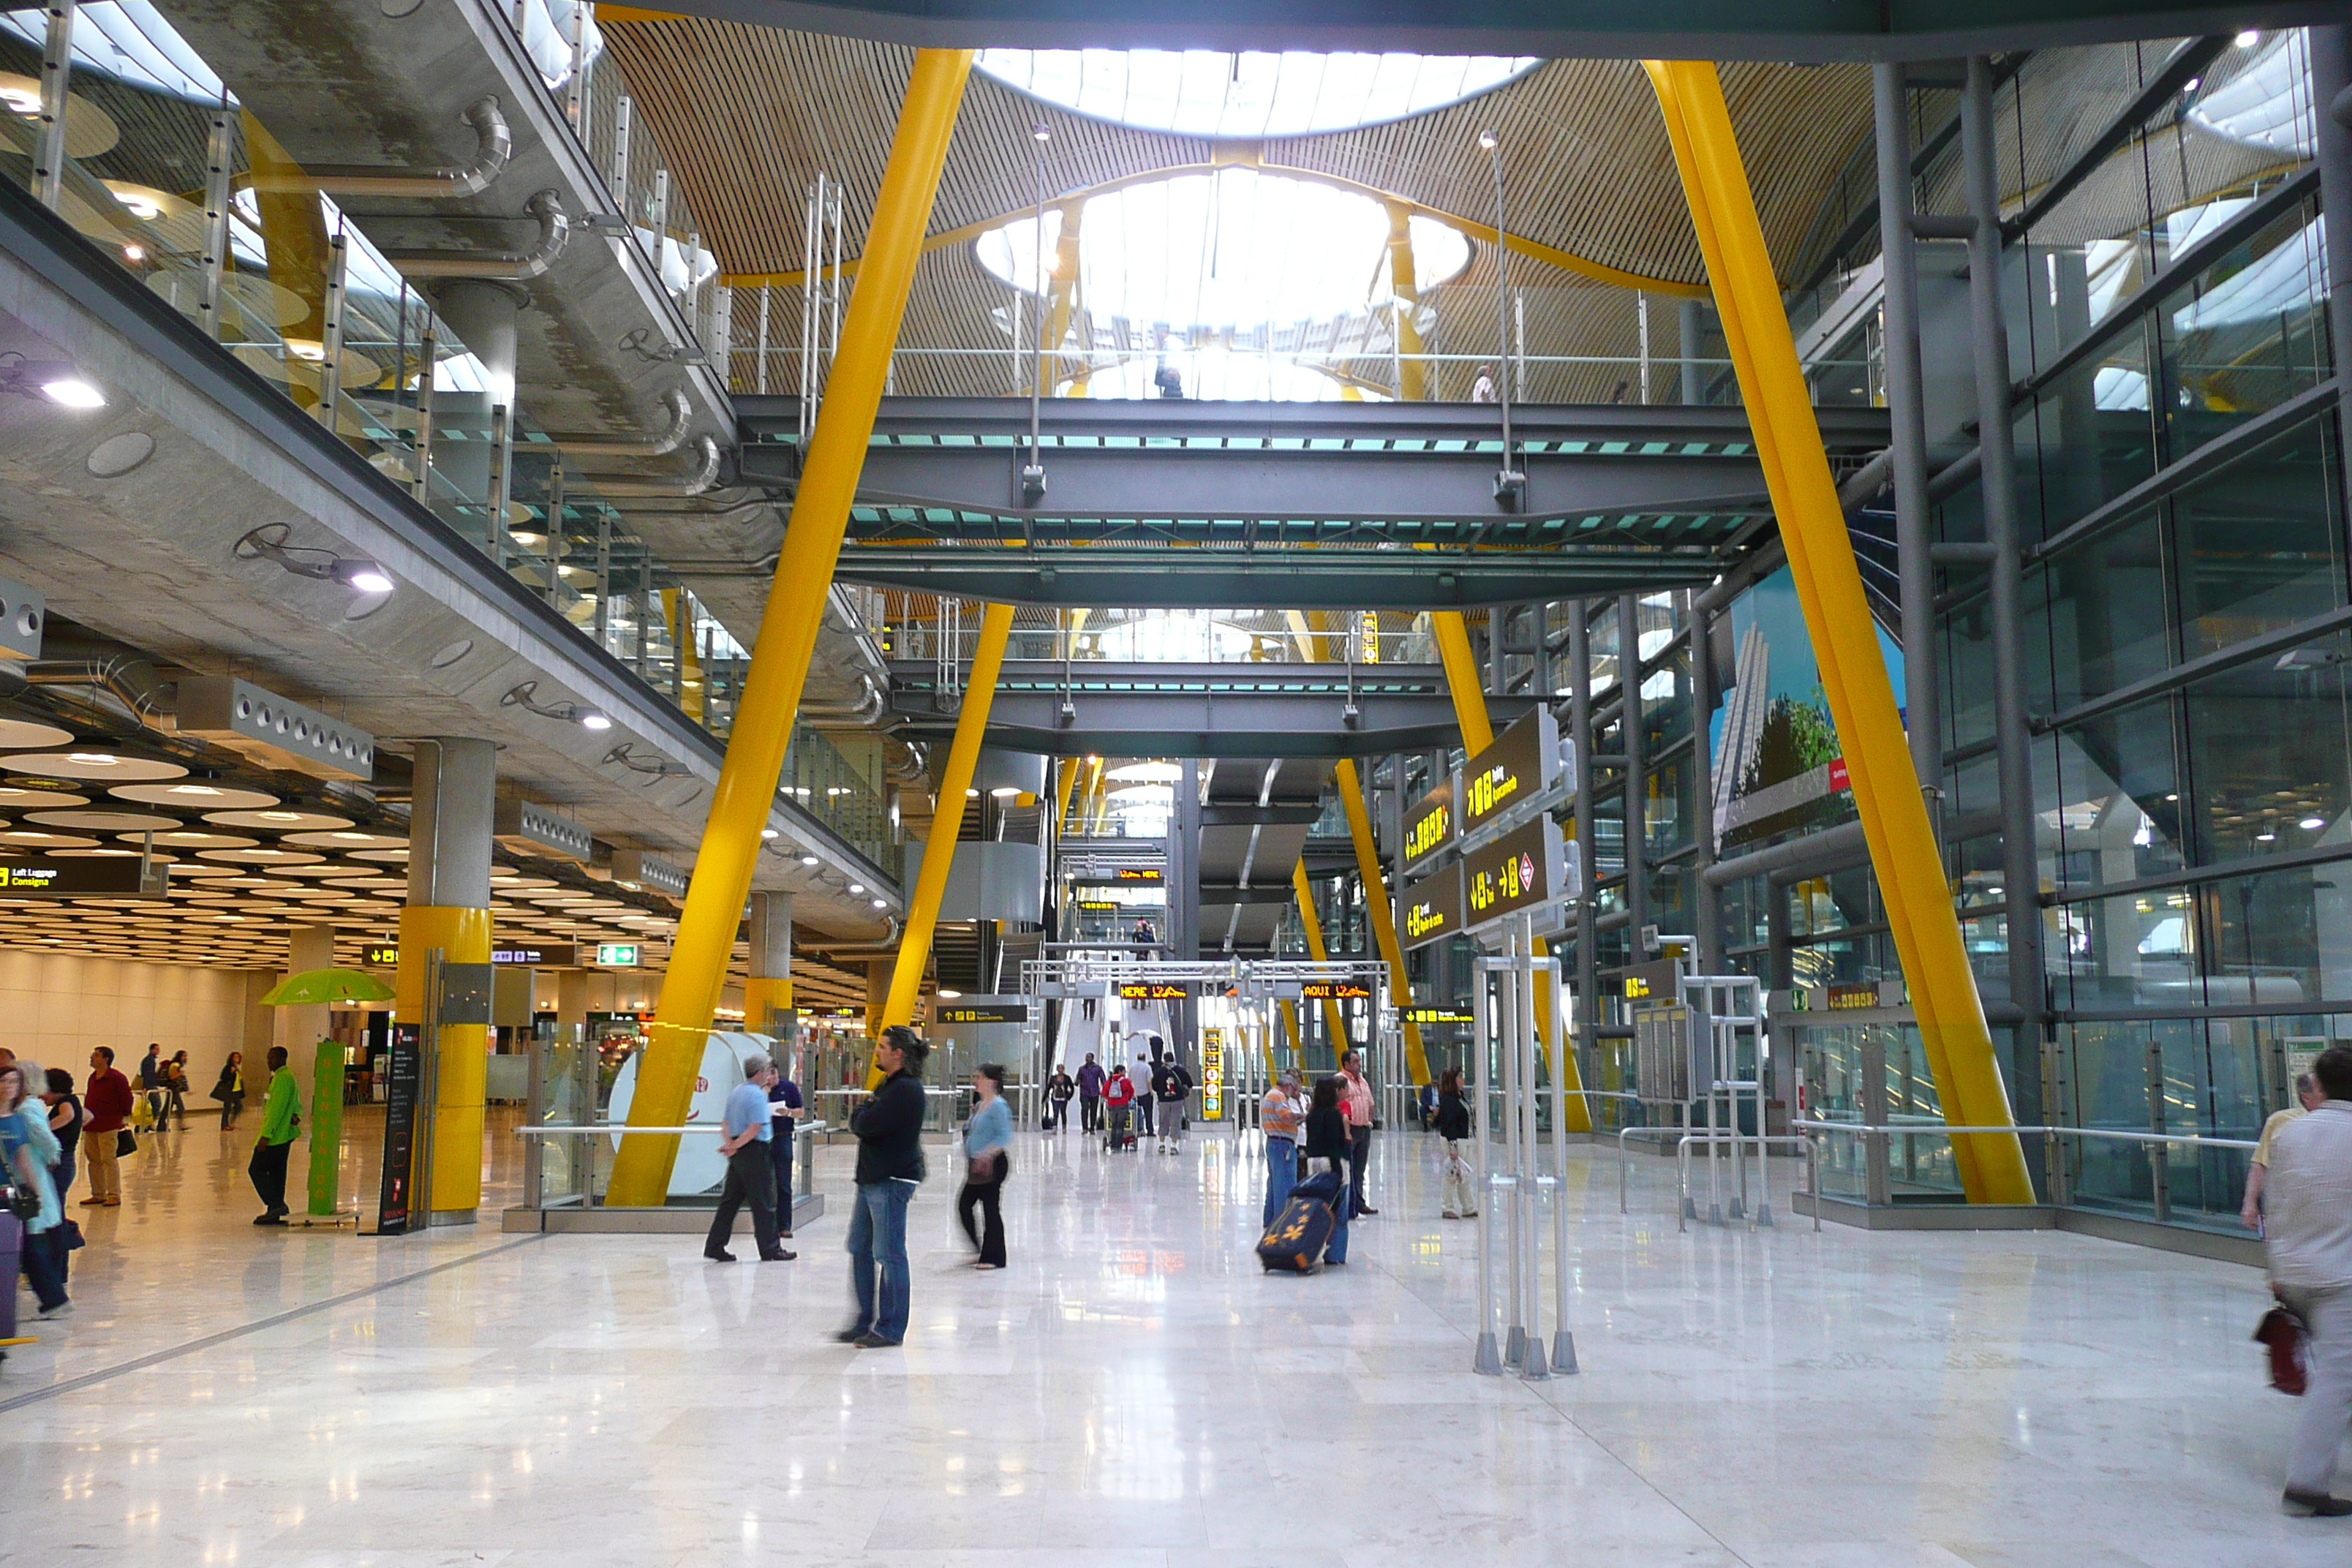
(11,1241)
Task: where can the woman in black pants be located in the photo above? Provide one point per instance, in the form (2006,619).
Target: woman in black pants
(987,1138)
(1328,1140)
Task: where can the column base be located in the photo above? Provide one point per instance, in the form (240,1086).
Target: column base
(440,1217)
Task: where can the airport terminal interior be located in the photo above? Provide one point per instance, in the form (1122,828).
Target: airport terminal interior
(727,732)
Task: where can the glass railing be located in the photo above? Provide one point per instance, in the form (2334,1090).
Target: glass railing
(913,628)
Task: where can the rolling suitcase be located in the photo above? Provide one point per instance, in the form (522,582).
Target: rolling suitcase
(12,1240)
(1294,1243)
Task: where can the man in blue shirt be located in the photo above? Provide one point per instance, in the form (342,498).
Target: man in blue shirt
(784,1109)
(750,1174)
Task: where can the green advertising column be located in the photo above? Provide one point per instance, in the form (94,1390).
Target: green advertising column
(326,1127)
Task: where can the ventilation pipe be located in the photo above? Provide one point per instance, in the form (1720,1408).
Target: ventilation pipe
(681,417)
(694,484)
(864,710)
(489,159)
(505,267)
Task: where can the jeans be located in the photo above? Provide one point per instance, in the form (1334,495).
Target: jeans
(1337,1252)
(2327,1402)
(877,1247)
(45,1267)
(750,1178)
(1281,1175)
(61,1175)
(1143,1113)
(780,1150)
(268,1169)
(1090,1113)
(988,1236)
(1359,1155)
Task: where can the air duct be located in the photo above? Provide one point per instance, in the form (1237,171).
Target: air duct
(681,417)
(508,266)
(468,179)
(693,485)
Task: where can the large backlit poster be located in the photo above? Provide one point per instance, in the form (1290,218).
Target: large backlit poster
(1779,768)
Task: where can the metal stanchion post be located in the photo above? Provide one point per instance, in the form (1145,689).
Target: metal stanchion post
(1534,1365)
(1506,1050)
(1488,1358)
(1563,1339)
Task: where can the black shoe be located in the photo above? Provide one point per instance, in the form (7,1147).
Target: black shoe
(2314,1505)
(1366,1209)
(273,1217)
(872,1342)
(779,1256)
(721,1256)
(850,1336)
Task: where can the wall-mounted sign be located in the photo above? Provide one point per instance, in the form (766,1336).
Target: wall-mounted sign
(1101,906)
(980,1013)
(1517,871)
(833,1014)
(1521,762)
(1430,910)
(1438,1016)
(617,954)
(97,877)
(1428,827)
(531,955)
(1335,991)
(1844,998)
(1153,991)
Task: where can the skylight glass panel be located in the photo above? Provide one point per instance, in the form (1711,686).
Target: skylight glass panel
(1201,93)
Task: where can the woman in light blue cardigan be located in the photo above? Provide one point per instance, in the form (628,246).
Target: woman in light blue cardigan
(28,1149)
(987,1139)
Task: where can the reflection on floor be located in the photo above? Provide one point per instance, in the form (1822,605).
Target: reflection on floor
(1133,1392)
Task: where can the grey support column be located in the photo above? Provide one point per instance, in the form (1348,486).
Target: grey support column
(2021,871)
(1689,320)
(1637,770)
(1906,411)
(2331,93)
(1184,902)
(1708,913)
(768,985)
(1580,725)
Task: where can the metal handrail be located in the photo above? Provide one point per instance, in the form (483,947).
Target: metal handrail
(1937,1128)
(615,1129)
(1729,1135)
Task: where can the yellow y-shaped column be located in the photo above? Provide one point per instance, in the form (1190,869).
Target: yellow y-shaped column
(1952,1029)
(780,661)
(1478,733)
(1376,903)
(1320,953)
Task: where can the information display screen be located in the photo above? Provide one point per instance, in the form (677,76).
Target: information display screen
(1429,827)
(1335,991)
(401,1083)
(1153,991)
(1523,760)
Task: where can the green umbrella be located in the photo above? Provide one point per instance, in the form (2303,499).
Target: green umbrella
(314,986)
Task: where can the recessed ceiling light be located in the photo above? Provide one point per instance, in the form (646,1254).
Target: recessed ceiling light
(808,859)
(2265,837)
(2249,37)
(880,904)
(72,392)
(2312,823)
(857,886)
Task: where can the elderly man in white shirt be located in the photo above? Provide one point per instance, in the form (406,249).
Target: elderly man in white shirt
(2307,1211)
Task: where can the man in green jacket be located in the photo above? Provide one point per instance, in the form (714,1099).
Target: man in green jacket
(281,1120)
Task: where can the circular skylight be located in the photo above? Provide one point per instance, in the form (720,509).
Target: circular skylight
(1199,92)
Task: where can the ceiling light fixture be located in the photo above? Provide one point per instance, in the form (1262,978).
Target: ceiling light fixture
(58,381)
(567,711)
(2249,37)
(356,573)
(808,859)
(2312,823)
(661,768)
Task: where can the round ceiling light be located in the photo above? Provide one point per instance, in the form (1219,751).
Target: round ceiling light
(259,857)
(195,796)
(25,733)
(351,838)
(121,821)
(92,765)
(33,839)
(280,819)
(1203,92)
(46,798)
(197,838)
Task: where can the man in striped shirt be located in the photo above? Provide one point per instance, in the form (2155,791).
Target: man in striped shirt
(1278,1117)
(2307,1211)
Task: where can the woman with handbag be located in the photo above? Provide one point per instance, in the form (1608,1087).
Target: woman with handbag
(1327,1139)
(229,1089)
(987,1143)
(27,1149)
(1460,1189)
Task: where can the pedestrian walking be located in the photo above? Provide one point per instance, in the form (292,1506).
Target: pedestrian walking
(2308,1210)
(66,1118)
(282,1123)
(1170,1087)
(786,1109)
(1356,1096)
(152,1083)
(106,1098)
(1059,1088)
(1090,1091)
(1328,1140)
(745,1131)
(1279,1116)
(987,1152)
(1119,1095)
(229,1089)
(2308,1099)
(1139,1072)
(1458,1196)
(28,1150)
(889,1129)
(175,1090)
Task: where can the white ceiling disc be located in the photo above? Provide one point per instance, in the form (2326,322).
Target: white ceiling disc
(46,799)
(259,857)
(347,839)
(194,796)
(132,821)
(388,857)
(95,764)
(197,838)
(278,819)
(34,838)
(25,733)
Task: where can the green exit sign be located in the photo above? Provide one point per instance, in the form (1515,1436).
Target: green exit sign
(617,954)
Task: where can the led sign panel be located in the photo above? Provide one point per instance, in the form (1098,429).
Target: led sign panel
(1335,991)
(1521,762)
(1153,991)
(1517,871)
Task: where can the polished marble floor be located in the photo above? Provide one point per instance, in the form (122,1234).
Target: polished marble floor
(1133,1392)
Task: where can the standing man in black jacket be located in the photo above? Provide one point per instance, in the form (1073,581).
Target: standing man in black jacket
(890,1128)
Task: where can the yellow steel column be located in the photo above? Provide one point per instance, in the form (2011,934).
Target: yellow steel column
(947,818)
(780,661)
(1477,733)
(1320,953)
(1903,849)
(1413,372)
(1376,901)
